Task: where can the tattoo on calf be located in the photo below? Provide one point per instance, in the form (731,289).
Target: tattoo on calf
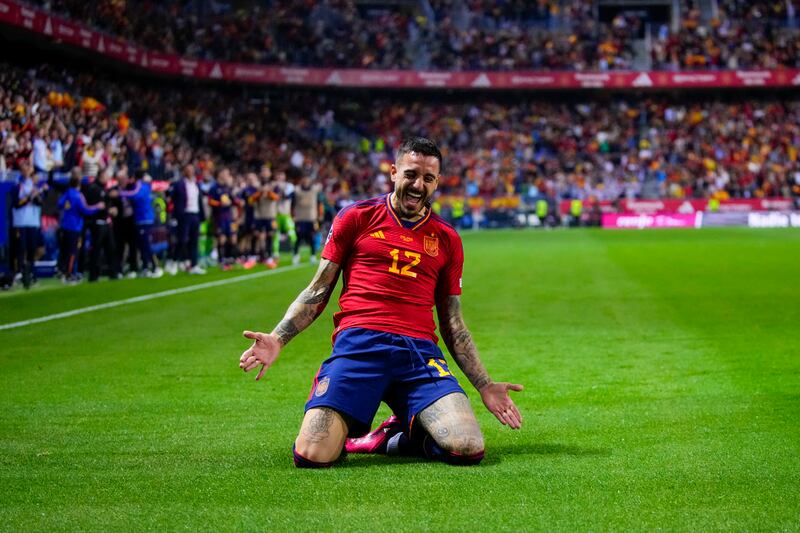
(318,428)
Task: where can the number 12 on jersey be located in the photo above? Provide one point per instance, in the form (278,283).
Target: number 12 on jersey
(406,270)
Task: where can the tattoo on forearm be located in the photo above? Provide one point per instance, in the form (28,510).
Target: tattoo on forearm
(459,342)
(319,426)
(309,304)
(286,330)
(309,297)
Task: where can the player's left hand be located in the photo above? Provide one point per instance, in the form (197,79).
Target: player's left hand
(496,399)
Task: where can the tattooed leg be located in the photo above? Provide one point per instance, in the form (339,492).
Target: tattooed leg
(452,425)
(322,435)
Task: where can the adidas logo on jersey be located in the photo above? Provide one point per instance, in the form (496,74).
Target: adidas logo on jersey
(378,235)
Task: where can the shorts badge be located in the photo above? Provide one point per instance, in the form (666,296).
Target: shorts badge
(431,245)
(322,387)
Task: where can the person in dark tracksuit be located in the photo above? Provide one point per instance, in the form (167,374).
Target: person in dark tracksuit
(73,208)
(100,234)
(124,225)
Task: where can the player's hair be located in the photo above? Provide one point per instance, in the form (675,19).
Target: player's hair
(421,145)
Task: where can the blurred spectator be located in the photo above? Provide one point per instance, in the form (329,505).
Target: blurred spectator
(26,222)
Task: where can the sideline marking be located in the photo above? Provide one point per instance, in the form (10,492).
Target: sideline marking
(151,296)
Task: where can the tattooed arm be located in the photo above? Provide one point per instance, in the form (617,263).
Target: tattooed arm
(463,350)
(309,304)
(303,311)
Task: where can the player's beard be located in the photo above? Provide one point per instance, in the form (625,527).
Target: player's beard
(411,205)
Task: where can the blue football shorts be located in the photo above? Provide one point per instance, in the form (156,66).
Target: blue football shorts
(223,226)
(367,367)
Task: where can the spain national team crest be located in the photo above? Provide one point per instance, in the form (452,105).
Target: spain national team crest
(322,387)
(431,245)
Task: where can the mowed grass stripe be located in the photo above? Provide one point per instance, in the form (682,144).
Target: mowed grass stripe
(146,297)
(18,305)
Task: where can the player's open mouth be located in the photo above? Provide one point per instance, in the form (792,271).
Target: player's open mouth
(413,199)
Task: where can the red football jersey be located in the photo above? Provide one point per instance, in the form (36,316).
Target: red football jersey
(393,274)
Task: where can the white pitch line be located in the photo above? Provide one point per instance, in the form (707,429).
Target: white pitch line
(146,297)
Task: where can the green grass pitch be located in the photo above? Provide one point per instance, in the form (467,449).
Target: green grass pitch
(662,374)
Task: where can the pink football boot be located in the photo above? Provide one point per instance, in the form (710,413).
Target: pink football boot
(375,441)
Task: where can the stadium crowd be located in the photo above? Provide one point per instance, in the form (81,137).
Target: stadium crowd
(451,34)
(128,137)
(742,35)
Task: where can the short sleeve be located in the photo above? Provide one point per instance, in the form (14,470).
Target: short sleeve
(341,237)
(450,279)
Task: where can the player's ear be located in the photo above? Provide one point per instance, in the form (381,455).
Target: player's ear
(393,172)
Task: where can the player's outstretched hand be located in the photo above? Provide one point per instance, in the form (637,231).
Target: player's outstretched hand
(496,399)
(264,351)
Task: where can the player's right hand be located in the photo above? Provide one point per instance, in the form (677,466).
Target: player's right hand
(263,351)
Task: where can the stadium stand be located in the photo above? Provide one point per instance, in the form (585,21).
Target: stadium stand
(453,34)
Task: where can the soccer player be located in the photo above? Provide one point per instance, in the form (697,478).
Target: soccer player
(283,220)
(265,209)
(247,235)
(222,200)
(307,208)
(398,260)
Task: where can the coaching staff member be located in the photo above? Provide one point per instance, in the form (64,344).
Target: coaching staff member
(188,210)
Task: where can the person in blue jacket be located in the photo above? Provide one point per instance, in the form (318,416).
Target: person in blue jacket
(141,198)
(73,208)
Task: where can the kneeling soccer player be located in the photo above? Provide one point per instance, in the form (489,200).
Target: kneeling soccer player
(398,260)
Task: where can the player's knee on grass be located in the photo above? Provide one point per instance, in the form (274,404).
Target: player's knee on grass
(300,461)
(467,443)
(460,436)
(316,453)
(321,438)
(462,454)
(454,434)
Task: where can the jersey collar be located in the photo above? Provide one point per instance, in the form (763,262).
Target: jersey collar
(400,222)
